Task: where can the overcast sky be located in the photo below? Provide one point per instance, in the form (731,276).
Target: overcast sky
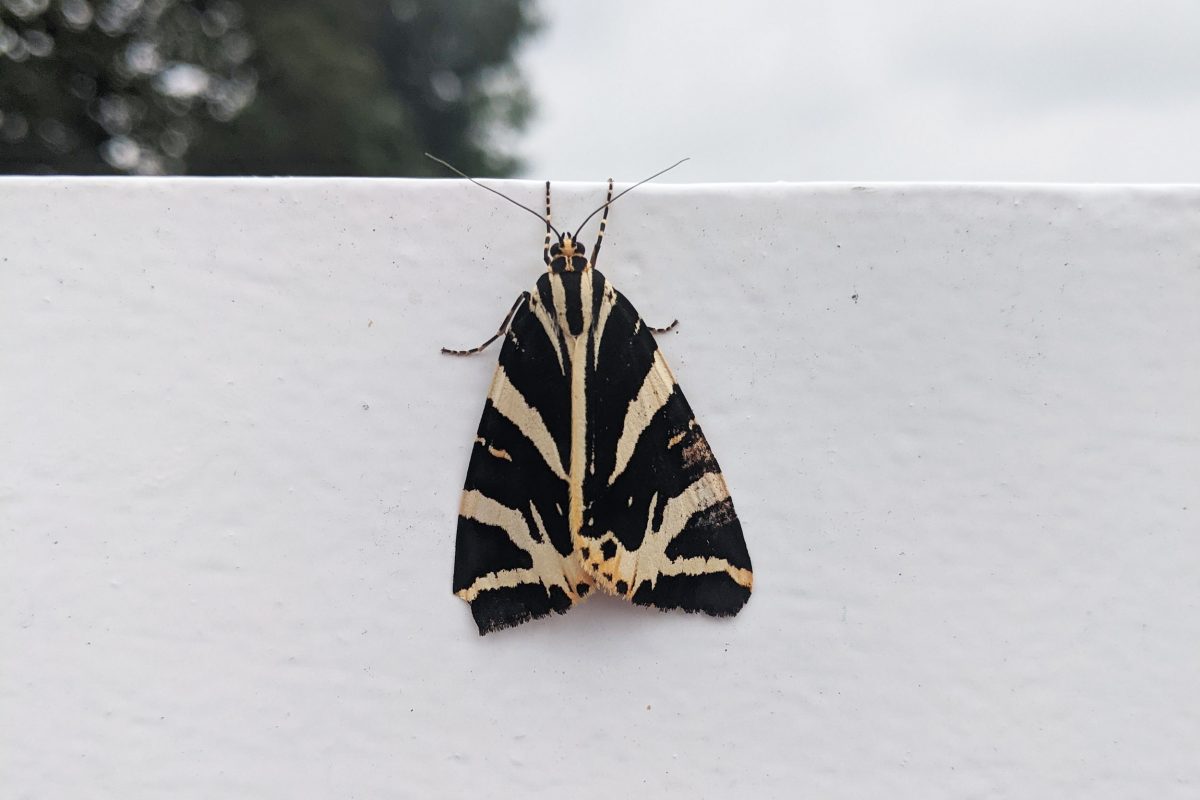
(860,90)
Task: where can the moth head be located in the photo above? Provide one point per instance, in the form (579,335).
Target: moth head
(568,255)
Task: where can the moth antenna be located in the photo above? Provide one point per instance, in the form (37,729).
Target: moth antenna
(459,172)
(620,194)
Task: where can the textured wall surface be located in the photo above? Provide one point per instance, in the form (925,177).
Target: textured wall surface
(960,425)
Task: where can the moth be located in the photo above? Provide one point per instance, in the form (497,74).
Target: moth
(588,469)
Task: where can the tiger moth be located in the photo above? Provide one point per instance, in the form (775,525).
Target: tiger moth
(588,468)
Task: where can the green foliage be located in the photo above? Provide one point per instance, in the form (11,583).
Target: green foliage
(116,85)
(279,87)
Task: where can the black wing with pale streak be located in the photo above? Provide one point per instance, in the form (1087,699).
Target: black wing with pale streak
(653,519)
(513,553)
(660,526)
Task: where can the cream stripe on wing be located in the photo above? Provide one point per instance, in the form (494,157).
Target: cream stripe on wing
(511,404)
(504,579)
(543,316)
(700,565)
(571,566)
(579,409)
(585,301)
(656,389)
(705,492)
(547,566)
(578,435)
(559,295)
(607,301)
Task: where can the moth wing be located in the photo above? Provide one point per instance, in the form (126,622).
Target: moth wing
(659,525)
(513,558)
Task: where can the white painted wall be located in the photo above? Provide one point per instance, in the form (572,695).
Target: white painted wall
(230,459)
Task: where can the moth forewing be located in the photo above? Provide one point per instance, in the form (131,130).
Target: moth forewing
(589,468)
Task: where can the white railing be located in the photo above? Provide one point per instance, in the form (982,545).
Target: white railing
(959,424)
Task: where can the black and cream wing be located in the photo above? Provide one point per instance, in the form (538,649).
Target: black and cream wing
(513,557)
(659,526)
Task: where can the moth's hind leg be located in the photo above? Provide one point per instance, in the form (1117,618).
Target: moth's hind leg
(503,330)
(653,329)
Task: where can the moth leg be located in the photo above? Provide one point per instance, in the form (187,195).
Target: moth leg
(546,248)
(603,224)
(653,329)
(503,330)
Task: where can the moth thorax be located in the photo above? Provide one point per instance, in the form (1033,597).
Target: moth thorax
(568,255)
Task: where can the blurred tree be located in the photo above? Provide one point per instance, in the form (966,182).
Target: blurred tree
(116,85)
(364,87)
(293,87)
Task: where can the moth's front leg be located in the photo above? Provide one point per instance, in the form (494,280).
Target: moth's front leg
(524,296)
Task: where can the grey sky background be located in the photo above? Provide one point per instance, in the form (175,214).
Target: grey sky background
(867,90)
